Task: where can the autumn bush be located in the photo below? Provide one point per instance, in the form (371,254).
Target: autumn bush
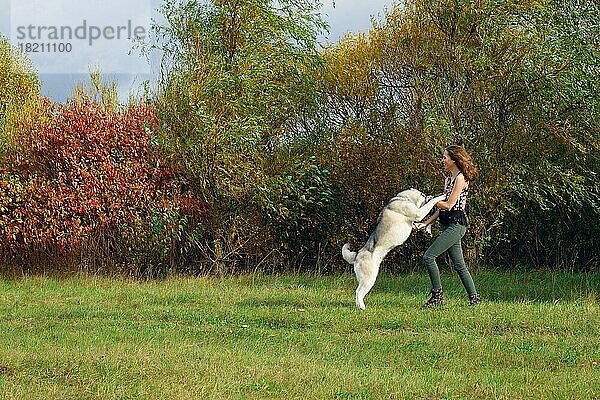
(90,186)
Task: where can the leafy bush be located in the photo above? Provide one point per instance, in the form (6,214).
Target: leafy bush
(300,207)
(85,175)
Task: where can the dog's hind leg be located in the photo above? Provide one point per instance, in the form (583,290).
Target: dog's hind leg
(365,284)
(362,290)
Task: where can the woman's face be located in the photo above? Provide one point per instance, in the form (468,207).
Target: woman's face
(447,162)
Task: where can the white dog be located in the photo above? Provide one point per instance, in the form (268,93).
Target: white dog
(394,226)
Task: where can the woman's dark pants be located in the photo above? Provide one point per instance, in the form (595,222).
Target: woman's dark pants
(449,240)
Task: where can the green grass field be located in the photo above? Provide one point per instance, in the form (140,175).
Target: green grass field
(535,336)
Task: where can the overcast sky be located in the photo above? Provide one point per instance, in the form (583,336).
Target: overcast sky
(96,31)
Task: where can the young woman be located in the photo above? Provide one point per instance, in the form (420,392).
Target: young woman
(451,213)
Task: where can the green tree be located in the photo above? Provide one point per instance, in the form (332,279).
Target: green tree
(238,85)
(514,81)
(19,93)
(96,90)
(237,75)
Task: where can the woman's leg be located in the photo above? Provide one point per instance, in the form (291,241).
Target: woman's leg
(449,237)
(456,254)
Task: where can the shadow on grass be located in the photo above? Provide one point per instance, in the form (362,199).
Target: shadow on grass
(298,304)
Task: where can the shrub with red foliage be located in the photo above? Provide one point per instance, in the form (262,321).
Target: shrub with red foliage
(83,171)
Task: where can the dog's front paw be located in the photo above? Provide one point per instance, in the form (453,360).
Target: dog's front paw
(417,226)
(428,231)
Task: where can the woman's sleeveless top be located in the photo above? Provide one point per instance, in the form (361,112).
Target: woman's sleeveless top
(457,214)
(461,203)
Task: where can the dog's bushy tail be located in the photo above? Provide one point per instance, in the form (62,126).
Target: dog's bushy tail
(349,256)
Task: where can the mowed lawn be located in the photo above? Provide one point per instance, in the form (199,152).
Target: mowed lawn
(535,336)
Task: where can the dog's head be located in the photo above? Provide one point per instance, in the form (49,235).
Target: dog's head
(415,196)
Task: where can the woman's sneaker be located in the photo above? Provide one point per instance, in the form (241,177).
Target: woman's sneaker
(474,299)
(436,299)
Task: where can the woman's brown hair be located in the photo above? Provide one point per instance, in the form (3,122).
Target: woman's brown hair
(463,161)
